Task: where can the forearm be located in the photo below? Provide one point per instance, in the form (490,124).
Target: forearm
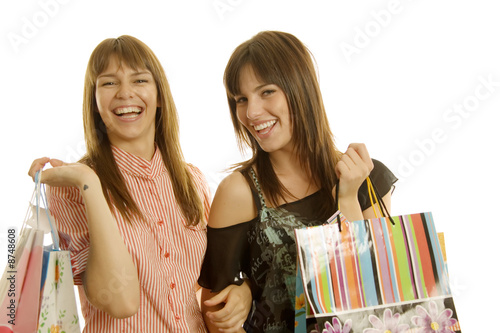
(350,208)
(110,279)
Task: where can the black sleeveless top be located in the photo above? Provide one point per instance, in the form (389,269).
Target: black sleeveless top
(264,251)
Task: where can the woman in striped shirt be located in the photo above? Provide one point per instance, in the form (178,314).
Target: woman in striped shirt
(132,212)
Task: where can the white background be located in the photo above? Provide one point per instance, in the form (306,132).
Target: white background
(393,74)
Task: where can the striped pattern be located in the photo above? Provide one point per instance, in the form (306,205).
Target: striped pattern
(167,253)
(371,263)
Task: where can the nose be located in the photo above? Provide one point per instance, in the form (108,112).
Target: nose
(125,91)
(254,109)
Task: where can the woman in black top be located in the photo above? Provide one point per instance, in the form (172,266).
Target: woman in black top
(289,182)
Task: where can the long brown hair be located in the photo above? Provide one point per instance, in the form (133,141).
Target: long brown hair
(280,58)
(99,155)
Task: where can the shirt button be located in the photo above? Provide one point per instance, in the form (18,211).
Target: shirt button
(172,285)
(160,223)
(167,255)
(177,317)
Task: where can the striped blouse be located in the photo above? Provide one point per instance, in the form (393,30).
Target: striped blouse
(168,254)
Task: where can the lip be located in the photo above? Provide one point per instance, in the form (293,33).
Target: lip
(263,124)
(265,132)
(128,113)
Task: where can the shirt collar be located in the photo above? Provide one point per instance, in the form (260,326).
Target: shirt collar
(139,166)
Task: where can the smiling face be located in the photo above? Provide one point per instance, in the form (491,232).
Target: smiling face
(262,108)
(127,103)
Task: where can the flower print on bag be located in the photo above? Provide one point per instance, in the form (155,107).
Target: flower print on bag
(390,323)
(336,326)
(433,321)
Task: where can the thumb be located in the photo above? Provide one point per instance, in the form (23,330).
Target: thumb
(56,163)
(217,299)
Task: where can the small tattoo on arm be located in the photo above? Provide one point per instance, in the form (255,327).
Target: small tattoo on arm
(85,187)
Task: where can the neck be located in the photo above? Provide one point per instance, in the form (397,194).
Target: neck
(295,177)
(144,150)
(287,164)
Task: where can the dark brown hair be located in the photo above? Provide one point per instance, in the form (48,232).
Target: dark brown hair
(136,54)
(280,58)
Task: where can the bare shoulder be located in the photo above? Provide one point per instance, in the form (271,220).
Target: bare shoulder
(233,202)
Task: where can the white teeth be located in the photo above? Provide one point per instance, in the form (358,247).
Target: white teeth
(264,125)
(132,109)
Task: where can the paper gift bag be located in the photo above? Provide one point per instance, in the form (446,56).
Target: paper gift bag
(20,287)
(58,311)
(20,284)
(383,274)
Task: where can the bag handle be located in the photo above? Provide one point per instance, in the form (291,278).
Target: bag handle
(375,199)
(41,196)
(381,203)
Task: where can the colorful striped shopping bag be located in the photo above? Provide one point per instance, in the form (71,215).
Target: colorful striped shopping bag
(350,271)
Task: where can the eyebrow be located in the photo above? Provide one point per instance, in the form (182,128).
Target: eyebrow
(262,86)
(133,74)
(255,89)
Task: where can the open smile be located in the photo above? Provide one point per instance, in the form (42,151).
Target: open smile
(128,112)
(264,127)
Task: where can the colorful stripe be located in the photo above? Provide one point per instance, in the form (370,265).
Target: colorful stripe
(390,258)
(402,253)
(349,255)
(370,297)
(371,263)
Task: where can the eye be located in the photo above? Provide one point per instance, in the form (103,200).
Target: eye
(142,81)
(268,92)
(240,100)
(107,83)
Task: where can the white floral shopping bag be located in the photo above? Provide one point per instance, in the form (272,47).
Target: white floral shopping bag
(58,312)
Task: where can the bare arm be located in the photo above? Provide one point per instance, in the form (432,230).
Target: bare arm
(110,280)
(228,309)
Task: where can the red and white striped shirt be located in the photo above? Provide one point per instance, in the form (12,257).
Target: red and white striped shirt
(167,253)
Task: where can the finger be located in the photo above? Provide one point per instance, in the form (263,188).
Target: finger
(354,160)
(360,158)
(230,314)
(64,174)
(221,315)
(341,168)
(217,299)
(349,158)
(37,165)
(231,325)
(57,163)
(362,151)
